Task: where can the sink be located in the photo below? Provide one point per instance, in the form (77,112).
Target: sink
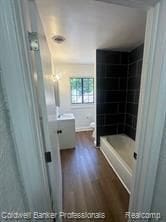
(66,116)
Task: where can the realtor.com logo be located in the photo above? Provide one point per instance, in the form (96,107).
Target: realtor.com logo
(134,216)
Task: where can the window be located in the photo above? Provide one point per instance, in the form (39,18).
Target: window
(82,90)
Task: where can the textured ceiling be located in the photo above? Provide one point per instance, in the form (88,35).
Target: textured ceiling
(88,25)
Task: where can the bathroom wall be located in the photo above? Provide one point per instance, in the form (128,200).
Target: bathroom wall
(111,79)
(118,77)
(133,89)
(84,113)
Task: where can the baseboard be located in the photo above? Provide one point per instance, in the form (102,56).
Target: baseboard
(81,129)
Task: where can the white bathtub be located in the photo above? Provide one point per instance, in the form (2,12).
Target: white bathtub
(118,150)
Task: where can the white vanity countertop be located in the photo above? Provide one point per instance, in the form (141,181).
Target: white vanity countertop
(66,116)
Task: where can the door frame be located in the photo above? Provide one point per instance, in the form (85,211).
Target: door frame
(49,128)
(24,117)
(152,110)
(25,120)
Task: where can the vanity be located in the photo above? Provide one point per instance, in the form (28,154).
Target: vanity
(66,130)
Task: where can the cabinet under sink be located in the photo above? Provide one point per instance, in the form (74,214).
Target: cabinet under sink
(66,130)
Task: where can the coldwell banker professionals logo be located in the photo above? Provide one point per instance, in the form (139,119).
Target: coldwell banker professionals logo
(14,216)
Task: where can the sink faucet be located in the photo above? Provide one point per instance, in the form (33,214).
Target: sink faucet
(60,115)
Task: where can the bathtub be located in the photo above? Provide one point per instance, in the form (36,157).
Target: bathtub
(118,151)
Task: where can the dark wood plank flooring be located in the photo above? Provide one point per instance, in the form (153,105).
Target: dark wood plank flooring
(89,183)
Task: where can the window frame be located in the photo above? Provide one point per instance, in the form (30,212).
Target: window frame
(82,90)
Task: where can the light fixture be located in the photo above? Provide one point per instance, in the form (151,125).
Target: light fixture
(54,78)
(57,77)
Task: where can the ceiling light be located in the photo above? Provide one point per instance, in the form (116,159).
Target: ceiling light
(58,39)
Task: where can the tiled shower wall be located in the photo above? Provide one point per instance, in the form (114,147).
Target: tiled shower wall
(117,82)
(133,89)
(111,86)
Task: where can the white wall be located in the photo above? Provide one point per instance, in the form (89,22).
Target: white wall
(47,66)
(159,196)
(46,59)
(84,114)
(12,194)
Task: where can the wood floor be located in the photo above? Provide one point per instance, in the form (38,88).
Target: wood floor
(90,184)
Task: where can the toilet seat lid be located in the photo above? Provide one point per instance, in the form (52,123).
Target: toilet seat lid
(92,124)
